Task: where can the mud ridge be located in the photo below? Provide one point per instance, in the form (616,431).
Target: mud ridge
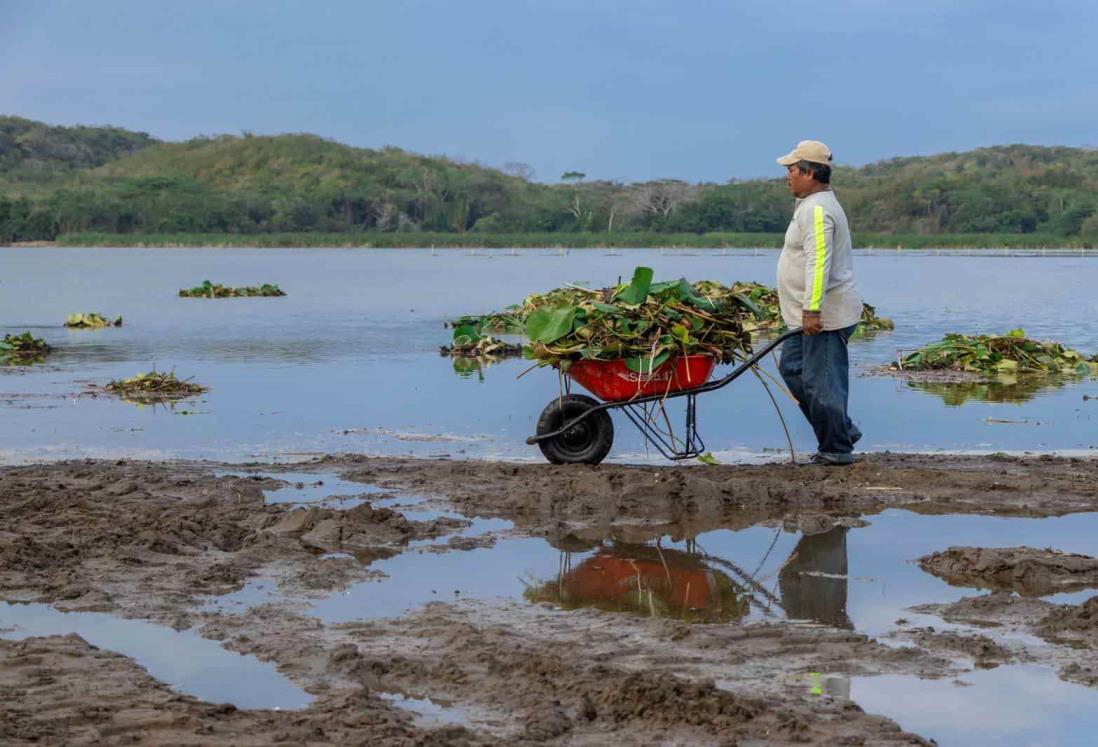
(1024,570)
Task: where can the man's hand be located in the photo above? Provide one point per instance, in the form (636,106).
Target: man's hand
(810,321)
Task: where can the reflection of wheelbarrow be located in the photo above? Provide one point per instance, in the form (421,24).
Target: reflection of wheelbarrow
(647,580)
(576,429)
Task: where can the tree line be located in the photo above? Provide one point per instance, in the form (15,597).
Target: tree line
(57,180)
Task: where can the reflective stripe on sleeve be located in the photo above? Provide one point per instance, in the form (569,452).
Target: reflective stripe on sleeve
(821,254)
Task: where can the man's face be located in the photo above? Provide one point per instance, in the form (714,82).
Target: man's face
(800,184)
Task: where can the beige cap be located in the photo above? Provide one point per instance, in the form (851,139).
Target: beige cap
(807,150)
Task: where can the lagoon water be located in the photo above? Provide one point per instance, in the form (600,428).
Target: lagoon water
(348,361)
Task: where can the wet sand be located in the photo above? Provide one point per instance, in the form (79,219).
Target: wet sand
(153,541)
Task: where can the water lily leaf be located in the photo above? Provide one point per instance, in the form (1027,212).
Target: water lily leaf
(637,290)
(547,325)
(465,334)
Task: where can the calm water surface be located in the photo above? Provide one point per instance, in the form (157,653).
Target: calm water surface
(348,361)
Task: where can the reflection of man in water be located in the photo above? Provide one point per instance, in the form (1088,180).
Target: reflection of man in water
(813,580)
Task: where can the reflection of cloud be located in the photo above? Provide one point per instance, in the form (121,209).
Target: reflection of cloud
(1000,701)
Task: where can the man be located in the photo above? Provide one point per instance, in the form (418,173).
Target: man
(816,292)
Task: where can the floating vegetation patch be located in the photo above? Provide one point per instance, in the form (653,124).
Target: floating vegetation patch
(23,349)
(154,386)
(91,320)
(761,300)
(469,342)
(1011,354)
(642,321)
(216,290)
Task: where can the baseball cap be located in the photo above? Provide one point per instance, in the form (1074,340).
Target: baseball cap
(807,150)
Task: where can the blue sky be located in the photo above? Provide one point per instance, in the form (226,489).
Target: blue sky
(698,90)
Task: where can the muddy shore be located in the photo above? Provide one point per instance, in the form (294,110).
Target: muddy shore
(155,541)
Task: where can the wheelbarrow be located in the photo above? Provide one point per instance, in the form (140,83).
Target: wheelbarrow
(577,429)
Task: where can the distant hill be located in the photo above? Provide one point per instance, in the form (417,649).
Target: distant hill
(35,151)
(64,180)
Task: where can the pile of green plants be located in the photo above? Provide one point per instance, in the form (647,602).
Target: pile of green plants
(216,290)
(641,321)
(91,321)
(469,342)
(761,300)
(154,386)
(508,321)
(996,355)
(24,348)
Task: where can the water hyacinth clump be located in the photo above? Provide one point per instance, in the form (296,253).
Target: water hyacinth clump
(216,290)
(996,355)
(643,322)
(154,386)
(469,342)
(91,320)
(24,348)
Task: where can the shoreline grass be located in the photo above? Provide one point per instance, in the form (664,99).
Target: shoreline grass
(624,240)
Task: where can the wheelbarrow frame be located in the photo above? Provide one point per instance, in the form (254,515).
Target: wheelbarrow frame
(692,444)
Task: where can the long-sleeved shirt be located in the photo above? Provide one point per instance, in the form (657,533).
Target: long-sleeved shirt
(816,269)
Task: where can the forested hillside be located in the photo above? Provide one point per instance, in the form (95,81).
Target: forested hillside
(36,152)
(56,180)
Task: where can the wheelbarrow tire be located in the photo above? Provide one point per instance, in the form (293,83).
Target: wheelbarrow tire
(587,443)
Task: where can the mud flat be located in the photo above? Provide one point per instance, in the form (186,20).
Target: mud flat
(237,555)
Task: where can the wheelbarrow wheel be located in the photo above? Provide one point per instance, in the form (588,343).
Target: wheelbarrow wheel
(587,442)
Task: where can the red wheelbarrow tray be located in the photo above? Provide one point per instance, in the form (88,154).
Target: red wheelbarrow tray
(613,381)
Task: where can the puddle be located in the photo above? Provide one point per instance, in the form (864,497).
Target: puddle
(1009,705)
(861,578)
(183,660)
(255,592)
(416,578)
(324,489)
(427,712)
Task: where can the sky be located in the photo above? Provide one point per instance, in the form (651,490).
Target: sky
(692,89)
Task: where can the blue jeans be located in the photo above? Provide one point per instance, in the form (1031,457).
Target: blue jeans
(817,371)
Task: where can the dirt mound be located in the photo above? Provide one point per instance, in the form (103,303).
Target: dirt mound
(1077,618)
(1024,570)
(993,610)
(540,496)
(985,653)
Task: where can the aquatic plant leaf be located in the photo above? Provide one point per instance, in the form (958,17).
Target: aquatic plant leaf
(465,334)
(637,290)
(549,325)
